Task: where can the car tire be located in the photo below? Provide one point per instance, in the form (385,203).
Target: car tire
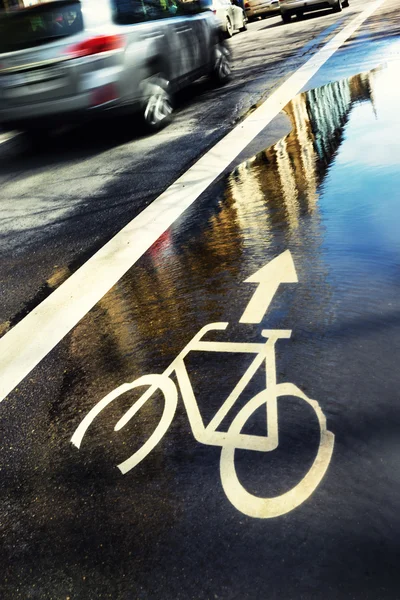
(338,7)
(286,17)
(346,4)
(244,24)
(220,71)
(157,107)
(229,28)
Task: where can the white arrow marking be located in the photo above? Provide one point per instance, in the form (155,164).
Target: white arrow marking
(280,270)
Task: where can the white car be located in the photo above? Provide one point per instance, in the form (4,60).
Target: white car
(299,7)
(230,15)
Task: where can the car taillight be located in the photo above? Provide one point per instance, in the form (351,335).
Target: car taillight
(96,45)
(246,5)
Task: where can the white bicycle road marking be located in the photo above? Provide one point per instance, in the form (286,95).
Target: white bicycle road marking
(233,439)
(28,342)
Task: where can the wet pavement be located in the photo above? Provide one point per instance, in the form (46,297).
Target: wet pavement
(313,514)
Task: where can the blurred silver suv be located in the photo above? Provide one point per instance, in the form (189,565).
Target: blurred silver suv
(299,7)
(64,59)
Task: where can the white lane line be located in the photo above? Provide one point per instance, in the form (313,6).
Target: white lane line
(22,348)
(5,137)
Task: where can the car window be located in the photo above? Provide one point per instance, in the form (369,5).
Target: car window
(39,25)
(127,12)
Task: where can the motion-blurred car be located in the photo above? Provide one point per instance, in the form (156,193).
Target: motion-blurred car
(260,8)
(230,15)
(299,7)
(66,59)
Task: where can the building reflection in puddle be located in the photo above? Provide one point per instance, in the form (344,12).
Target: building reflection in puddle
(288,175)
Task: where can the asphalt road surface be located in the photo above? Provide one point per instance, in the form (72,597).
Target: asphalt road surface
(204,405)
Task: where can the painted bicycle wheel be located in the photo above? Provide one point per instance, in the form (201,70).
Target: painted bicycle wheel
(266,508)
(155,383)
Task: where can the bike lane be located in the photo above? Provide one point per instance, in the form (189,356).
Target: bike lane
(75,526)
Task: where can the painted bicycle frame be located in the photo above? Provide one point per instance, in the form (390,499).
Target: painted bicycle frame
(233,439)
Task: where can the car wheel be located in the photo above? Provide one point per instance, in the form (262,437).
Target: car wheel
(221,70)
(338,6)
(157,108)
(229,28)
(286,17)
(345,4)
(244,24)
(300,15)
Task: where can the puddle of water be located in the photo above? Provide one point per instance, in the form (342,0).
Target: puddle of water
(339,167)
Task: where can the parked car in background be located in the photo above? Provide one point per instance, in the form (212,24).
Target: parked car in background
(299,7)
(230,14)
(260,8)
(67,59)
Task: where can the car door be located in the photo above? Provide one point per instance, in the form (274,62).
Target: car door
(162,38)
(193,33)
(149,44)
